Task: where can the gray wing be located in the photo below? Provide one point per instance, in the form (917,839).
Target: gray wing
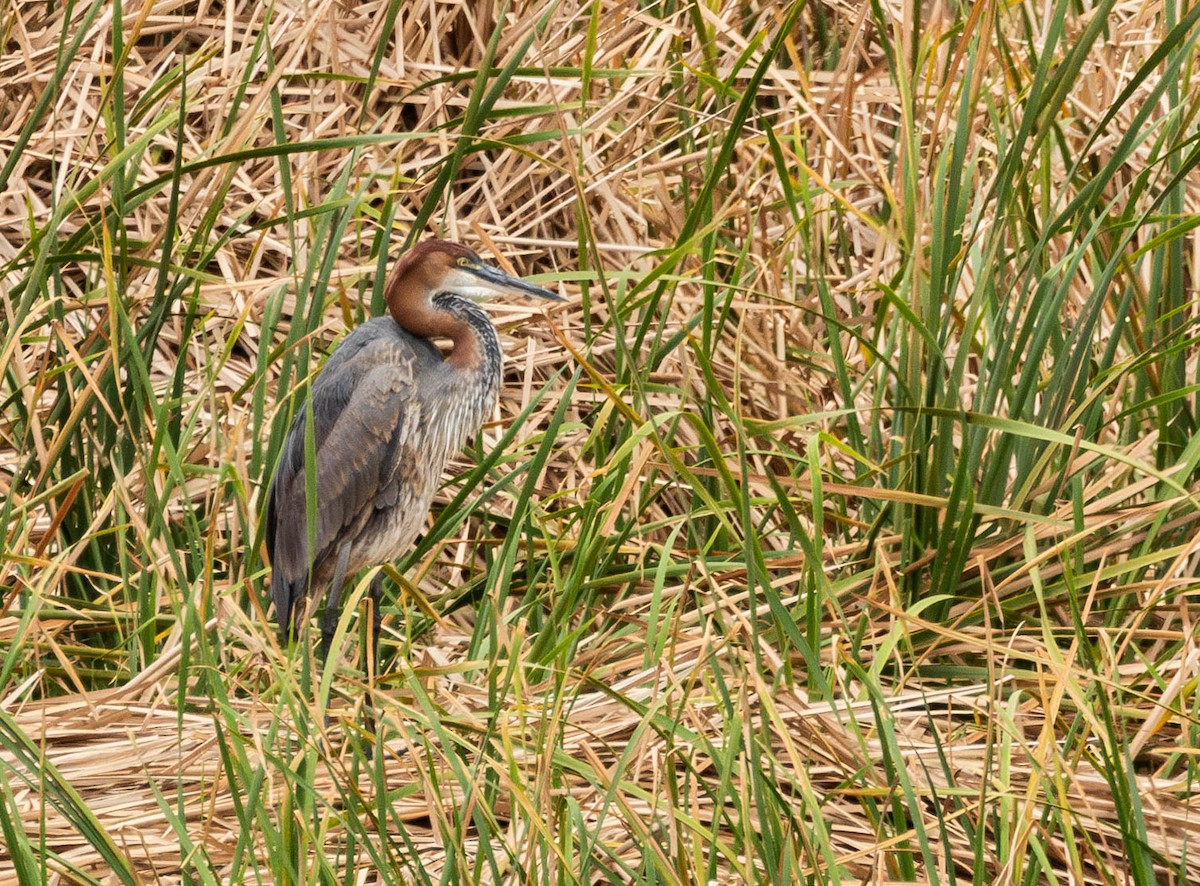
(366,408)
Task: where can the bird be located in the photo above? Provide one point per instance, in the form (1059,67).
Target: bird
(388,410)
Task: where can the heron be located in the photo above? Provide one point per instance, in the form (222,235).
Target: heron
(388,410)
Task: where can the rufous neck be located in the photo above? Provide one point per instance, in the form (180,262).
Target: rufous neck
(410,300)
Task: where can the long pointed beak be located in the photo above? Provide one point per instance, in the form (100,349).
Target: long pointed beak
(496,277)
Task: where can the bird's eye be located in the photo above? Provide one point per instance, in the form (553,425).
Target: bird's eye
(464,262)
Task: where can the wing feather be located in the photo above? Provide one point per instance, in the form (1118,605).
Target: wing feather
(366,405)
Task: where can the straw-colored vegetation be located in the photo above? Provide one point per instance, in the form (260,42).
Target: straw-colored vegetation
(841,528)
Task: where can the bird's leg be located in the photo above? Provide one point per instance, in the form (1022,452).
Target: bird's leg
(372,661)
(376,593)
(329,620)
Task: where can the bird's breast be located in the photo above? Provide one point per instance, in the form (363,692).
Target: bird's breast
(389,534)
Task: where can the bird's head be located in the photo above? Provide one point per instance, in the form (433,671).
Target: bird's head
(436,266)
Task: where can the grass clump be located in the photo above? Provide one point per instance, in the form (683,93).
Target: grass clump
(840,529)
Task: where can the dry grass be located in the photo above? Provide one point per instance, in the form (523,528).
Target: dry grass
(640,705)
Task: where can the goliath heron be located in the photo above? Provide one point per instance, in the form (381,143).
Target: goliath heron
(388,410)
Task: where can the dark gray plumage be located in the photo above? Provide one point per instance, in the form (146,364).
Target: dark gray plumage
(388,411)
